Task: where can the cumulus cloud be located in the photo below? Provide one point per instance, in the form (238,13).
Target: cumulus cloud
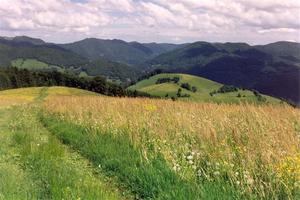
(254,21)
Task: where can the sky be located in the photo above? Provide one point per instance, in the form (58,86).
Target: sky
(172,21)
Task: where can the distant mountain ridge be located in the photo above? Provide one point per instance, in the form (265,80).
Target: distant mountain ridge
(12,49)
(34,41)
(132,53)
(272,69)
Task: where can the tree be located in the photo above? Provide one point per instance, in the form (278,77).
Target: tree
(186,86)
(227,88)
(176,79)
(179,92)
(194,89)
(4,81)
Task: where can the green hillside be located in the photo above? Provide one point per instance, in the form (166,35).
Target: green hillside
(206,90)
(34,64)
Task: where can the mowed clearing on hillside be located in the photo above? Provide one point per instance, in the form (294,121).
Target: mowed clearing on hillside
(204,88)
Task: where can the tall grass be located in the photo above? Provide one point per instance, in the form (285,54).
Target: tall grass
(253,149)
(56,172)
(15,183)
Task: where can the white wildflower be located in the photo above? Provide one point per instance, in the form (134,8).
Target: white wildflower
(199,173)
(250,181)
(216,173)
(190,157)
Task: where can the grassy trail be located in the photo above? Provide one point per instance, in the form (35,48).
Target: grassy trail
(14,181)
(35,165)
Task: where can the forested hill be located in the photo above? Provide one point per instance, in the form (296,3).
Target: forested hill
(33,55)
(272,69)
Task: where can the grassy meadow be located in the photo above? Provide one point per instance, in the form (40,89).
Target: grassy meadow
(204,88)
(33,64)
(64,143)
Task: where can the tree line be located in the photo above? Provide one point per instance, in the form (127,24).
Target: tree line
(11,78)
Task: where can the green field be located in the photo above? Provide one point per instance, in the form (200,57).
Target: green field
(66,143)
(33,64)
(204,88)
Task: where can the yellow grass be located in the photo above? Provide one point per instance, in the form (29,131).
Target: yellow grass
(246,142)
(66,91)
(18,96)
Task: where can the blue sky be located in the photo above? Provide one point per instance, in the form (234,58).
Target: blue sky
(174,21)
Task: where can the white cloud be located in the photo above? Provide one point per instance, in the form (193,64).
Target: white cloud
(254,21)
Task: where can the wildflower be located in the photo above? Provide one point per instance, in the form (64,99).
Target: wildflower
(238,182)
(176,167)
(191,162)
(199,173)
(216,173)
(250,181)
(236,173)
(190,157)
(150,107)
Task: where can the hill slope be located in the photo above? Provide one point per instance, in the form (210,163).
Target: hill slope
(205,90)
(271,69)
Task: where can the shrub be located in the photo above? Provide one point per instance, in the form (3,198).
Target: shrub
(227,88)
(194,89)
(186,86)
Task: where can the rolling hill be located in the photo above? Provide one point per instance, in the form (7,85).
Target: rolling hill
(271,69)
(164,85)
